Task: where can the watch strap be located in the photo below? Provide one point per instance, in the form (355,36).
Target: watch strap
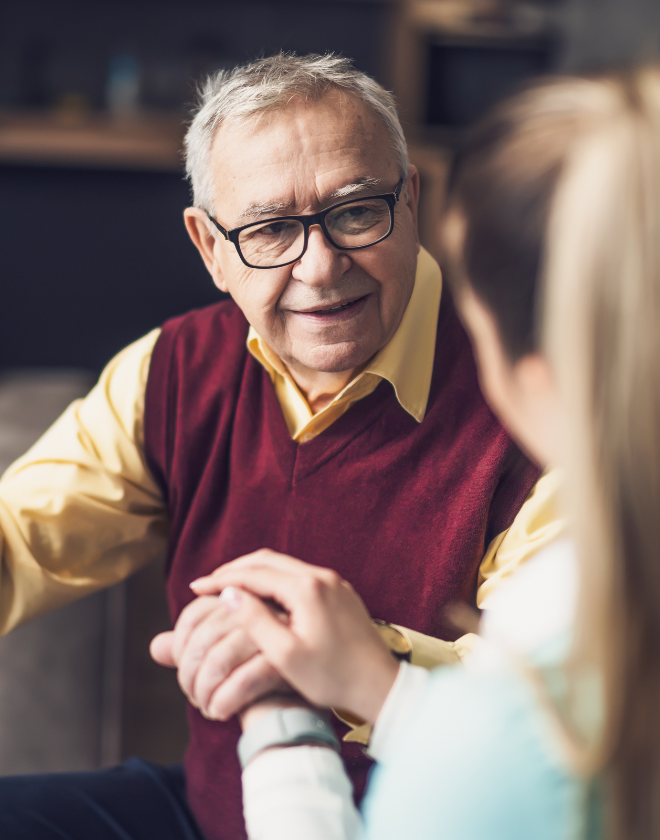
(285,727)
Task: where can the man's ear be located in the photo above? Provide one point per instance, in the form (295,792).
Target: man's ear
(412,191)
(199,229)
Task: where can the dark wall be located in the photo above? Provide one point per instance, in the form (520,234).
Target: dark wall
(90,259)
(49,50)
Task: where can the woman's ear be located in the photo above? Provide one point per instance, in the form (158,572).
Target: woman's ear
(199,229)
(522,393)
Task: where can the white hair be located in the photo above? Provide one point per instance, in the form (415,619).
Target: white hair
(270,83)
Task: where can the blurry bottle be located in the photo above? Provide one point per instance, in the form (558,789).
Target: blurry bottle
(72,109)
(123,87)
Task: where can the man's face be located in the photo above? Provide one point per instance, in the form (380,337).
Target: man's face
(300,160)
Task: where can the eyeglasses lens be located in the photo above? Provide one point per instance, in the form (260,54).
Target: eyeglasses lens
(281,241)
(273,243)
(358,224)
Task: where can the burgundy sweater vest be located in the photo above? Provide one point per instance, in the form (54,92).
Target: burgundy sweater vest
(403,510)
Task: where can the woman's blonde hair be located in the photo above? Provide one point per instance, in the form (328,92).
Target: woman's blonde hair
(560,191)
(602,336)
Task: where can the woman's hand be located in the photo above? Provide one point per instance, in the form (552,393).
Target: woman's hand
(328,651)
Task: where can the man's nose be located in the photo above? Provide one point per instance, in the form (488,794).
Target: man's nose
(322,264)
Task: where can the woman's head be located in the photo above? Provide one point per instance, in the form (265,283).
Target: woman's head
(553,239)
(501,190)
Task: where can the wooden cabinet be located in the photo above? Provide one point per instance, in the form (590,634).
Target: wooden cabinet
(449,61)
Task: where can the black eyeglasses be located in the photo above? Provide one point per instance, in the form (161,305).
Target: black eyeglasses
(349,226)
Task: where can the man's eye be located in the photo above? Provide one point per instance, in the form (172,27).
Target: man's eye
(274,229)
(356,217)
(355,212)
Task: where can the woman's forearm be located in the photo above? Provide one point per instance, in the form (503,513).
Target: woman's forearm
(299,793)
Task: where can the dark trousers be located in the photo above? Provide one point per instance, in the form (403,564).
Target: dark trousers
(135,801)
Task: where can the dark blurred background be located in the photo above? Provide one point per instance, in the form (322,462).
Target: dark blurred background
(93,253)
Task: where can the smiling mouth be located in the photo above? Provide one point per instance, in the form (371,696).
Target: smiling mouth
(332,310)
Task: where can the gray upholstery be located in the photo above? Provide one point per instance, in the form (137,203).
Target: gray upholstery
(77,687)
(60,675)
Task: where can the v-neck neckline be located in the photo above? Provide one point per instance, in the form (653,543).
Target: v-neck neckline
(298,460)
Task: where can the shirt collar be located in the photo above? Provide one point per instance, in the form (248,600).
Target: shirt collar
(406,361)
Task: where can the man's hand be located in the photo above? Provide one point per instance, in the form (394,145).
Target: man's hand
(328,650)
(220,669)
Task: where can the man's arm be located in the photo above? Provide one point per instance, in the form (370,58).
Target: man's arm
(79,511)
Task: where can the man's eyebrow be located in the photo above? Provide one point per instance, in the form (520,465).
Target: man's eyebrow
(356,186)
(253,210)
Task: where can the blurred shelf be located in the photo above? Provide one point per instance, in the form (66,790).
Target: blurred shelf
(469,34)
(477,20)
(502,40)
(141,142)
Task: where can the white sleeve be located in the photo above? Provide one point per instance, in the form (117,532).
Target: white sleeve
(299,793)
(397,708)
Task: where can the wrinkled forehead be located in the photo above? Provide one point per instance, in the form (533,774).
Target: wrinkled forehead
(298,155)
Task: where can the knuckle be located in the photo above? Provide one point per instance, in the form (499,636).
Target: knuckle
(189,696)
(218,710)
(311,586)
(219,666)
(245,680)
(332,579)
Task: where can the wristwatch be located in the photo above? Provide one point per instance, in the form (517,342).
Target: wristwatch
(285,727)
(400,647)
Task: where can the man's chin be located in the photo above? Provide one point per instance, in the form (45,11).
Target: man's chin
(337,359)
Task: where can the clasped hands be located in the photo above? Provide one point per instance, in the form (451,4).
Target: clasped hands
(282,632)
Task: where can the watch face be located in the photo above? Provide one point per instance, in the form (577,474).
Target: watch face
(394,639)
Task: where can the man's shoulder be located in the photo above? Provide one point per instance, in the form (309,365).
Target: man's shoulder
(185,371)
(219,320)
(193,342)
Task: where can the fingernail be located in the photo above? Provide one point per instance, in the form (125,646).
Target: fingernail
(230,597)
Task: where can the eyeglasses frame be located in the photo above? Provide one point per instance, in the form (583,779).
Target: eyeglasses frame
(312,219)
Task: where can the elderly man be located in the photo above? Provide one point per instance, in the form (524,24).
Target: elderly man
(330,411)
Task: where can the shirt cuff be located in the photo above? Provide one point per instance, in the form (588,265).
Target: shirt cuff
(297,793)
(430,652)
(397,708)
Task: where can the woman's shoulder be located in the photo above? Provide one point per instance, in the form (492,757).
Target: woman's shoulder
(476,760)
(533,612)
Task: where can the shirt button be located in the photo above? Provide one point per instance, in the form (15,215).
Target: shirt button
(306,437)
